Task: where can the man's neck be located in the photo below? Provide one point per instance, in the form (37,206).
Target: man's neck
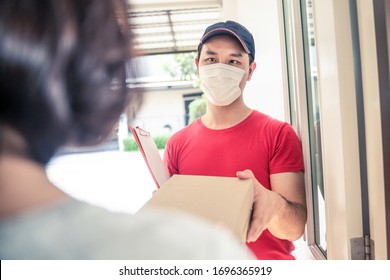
(222,117)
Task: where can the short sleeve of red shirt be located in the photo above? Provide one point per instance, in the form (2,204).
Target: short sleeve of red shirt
(287,156)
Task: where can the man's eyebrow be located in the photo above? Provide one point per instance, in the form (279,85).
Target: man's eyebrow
(210,52)
(236,54)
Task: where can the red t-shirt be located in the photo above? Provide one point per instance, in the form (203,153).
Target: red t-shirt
(259,143)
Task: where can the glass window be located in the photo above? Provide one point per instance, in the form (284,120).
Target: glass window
(314,119)
(304,106)
(288,33)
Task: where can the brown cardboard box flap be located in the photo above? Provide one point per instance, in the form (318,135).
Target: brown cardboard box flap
(221,200)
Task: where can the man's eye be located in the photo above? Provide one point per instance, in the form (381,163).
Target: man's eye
(210,59)
(233,61)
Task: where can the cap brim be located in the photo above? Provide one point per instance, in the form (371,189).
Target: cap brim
(223,31)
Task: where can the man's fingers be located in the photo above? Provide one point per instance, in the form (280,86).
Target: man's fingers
(255,230)
(256,226)
(246,174)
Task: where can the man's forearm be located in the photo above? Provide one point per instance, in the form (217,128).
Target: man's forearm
(289,222)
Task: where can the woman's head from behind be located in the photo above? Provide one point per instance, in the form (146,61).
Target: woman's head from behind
(62,71)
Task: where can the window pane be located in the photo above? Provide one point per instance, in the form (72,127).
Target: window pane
(287,11)
(314,118)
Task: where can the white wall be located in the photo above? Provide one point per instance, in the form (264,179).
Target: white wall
(265,91)
(161,108)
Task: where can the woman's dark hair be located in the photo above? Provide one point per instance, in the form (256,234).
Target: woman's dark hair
(62,71)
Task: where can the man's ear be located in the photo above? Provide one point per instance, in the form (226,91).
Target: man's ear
(252,68)
(197,64)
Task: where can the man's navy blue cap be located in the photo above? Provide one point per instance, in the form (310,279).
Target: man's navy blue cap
(234,29)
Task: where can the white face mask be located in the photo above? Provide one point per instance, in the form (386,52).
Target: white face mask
(221,83)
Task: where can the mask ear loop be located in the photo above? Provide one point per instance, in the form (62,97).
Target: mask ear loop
(249,77)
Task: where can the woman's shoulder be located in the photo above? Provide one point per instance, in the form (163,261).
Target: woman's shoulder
(77,230)
(162,234)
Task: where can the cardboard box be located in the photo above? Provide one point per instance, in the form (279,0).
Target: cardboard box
(221,200)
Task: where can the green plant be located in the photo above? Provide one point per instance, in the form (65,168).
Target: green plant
(183,68)
(161,141)
(130,144)
(197,108)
